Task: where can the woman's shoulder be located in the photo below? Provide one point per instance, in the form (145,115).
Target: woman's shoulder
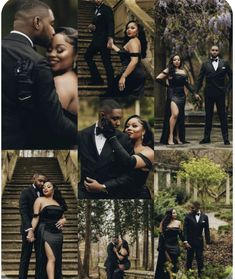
(67,81)
(148,152)
(133,45)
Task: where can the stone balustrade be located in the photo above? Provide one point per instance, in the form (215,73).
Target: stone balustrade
(131,273)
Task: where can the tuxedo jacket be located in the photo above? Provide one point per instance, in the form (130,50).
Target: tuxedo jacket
(193,231)
(31,110)
(26,202)
(104,167)
(111,260)
(215,80)
(104,23)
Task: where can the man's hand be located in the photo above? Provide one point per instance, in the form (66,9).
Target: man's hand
(60,223)
(91,27)
(93,186)
(107,127)
(110,43)
(30,236)
(197,97)
(187,245)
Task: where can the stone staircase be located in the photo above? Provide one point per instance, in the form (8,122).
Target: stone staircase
(148,6)
(11,237)
(85,14)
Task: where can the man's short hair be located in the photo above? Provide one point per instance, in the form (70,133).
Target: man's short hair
(196,204)
(37,174)
(29,5)
(108,105)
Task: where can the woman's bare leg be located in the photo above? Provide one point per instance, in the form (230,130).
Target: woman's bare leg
(50,262)
(172,121)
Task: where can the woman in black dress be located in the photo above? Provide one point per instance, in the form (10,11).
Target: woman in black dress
(132,77)
(176,79)
(62,56)
(122,252)
(168,247)
(139,164)
(47,223)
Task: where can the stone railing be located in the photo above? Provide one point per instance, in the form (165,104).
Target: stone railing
(170,179)
(131,273)
(9,159)
(69,166)
(125,10)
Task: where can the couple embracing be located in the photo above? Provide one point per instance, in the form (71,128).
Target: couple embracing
(42,219)
(115,164)
(117,260)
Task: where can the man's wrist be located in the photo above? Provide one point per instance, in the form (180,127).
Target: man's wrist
(104,189)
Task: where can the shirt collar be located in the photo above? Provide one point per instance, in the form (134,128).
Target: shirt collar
(22,34)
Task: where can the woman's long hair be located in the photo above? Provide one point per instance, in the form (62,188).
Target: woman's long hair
(148,138)
(125,245)
(167,219)
(58,197)
(71,37)
(141,36)
(171,66)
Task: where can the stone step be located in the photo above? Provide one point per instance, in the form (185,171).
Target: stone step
(17,236)
(16,244)
(15,253)
(13,264)
(9,226)
(14,274)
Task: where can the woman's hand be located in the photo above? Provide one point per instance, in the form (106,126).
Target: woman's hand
(121,83)
(60,223)
(30,236)
(93,186)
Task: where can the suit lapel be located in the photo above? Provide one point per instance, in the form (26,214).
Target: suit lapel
(33,192)
(92,143)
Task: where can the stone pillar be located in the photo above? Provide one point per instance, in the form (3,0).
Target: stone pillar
(227,200)
(137,107)
(178,183)
(187,186)
(156,182)
(168,180)
(194,193)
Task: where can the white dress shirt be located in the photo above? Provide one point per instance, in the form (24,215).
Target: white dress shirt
(198,216)
(99,140)
(215,64)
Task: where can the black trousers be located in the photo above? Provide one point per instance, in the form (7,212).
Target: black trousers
(219,101)
(26,252)
(110,271)
(92,50)
(198,252)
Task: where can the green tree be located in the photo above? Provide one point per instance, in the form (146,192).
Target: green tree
(204,175)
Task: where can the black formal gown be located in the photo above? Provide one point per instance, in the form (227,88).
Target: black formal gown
(176,94)
(168,247)
(47,232)
(135,81)
(118,273)
(138,189)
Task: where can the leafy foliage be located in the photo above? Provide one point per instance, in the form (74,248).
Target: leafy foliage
(204,175)
(190,24)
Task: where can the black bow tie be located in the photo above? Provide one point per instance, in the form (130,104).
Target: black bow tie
(214,59)
(197,214)
(98,131)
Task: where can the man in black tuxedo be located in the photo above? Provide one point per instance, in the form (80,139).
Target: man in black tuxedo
(103,33)
(111,262)
(26,202)
(31,111)
(194,224)
(97,158)
(215,71)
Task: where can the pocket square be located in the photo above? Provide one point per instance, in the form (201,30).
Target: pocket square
(223,68)
(99,14)
(203,221)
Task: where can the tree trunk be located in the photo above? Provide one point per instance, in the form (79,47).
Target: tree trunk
(159,66)
(152,234)
(118,230)
(145,239)
(86,262)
